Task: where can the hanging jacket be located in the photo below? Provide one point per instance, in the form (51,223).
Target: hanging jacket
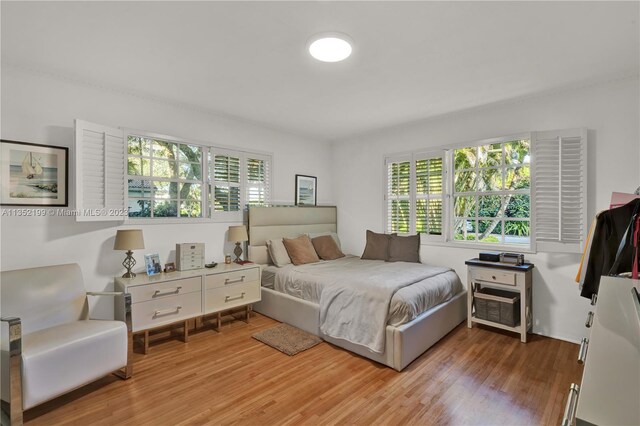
(610,228)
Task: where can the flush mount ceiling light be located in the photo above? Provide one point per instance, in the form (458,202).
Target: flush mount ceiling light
(330,47)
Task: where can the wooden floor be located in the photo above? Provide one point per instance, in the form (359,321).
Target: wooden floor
(479,376)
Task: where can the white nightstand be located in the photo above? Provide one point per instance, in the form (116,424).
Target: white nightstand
(173,298)
(502,276)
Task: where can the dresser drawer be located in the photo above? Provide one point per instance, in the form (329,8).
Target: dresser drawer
(220,299)
(143,293)
(235,277)
(493,275)
(166,310)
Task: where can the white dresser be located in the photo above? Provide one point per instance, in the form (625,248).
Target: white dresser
(610,390)
(173,298)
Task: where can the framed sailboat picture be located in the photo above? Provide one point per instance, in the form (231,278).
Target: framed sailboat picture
(33,175)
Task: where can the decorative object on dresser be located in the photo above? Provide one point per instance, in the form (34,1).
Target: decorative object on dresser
(54,347)
(610,387)
(238,235)
(34,175)
(169,300)
(189,256)
(499,295)
(152,264)
(129,240)
(306,190)
(170,267)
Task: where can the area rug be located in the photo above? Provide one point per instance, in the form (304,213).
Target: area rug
(287,339)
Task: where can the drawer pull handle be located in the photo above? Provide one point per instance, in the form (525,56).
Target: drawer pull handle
(230,298)
(589,321)
(167,311)
(582,353)
(594,299)
(493,277)
(570,409)
(237,280)
(165,292)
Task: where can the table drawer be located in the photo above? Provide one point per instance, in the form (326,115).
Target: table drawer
(234,277)
(147,292)
(494,276)
(166,310)
(219,299)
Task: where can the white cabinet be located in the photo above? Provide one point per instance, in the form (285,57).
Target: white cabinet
(173,298)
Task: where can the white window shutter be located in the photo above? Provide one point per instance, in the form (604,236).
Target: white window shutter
(560,188)
(100,173)
(398,212)
(257,183)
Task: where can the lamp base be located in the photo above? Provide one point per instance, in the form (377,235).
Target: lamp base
(238,252)
(129,262)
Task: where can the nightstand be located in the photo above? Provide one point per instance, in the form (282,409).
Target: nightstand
(500,276)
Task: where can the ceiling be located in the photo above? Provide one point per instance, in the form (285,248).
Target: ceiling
(411,60)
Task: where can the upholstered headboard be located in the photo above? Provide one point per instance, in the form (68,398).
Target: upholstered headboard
(266,223)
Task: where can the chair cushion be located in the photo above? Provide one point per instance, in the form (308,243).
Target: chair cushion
(61,358)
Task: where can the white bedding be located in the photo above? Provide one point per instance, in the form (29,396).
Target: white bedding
(425,286)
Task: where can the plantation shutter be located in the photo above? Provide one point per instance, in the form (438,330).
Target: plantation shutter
(225,192)
(429,174)
(560,187)
(398,195)
(257,184)
(100,174)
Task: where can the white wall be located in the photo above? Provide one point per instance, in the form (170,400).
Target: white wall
(41,109)
(610,111)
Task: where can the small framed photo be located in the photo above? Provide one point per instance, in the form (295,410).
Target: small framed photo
(152,263)
(306,190)
(169,267)
(33,175)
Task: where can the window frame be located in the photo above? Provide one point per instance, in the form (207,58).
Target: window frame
(208,215)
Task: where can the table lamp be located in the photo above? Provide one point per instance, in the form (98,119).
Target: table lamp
(237,234)
(129,239)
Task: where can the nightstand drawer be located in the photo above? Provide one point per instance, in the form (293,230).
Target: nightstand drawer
(220,299)
(494,276)
(147,292)
(155,313)
(235,277)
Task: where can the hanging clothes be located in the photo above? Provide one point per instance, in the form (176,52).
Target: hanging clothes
(610,229)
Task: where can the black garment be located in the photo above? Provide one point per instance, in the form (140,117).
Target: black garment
(609,230)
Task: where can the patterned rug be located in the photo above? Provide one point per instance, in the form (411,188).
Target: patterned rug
(287,339)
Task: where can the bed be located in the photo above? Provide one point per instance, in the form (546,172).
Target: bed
(419,315)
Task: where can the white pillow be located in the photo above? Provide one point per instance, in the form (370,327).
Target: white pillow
(312,235)
(278,253)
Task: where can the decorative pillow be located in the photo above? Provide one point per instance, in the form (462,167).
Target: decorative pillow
(327,248)
(278,253)
(300,250)
(404,249)
(313,235)
(377,247)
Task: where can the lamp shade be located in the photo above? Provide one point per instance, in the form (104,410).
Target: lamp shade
(238,233)
(129,239)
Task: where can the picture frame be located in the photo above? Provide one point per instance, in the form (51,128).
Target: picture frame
(169,267)
(152,264)
(33,174)
(306,190)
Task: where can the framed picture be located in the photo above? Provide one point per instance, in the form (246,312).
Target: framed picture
(33,175)
(152,263)
(169,267)
(306,190)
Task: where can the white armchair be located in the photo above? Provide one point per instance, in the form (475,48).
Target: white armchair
(53,347)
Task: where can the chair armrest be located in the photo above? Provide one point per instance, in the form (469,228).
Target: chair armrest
(105,293)
(14,410)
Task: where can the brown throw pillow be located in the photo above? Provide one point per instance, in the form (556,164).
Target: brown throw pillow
(327,248)
(377,247)
(404,249)
(300,250)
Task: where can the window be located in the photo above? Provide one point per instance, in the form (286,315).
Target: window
(164,177)
(522,193)
(491,193)
(414,184)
